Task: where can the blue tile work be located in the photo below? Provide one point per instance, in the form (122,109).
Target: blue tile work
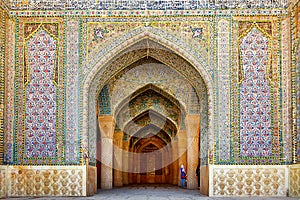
(39,102)
(256,138)
(104,101)
(223,93)
(40,106)
(72,100)
(142,4)
(204,134)
(205,141)
(255,97)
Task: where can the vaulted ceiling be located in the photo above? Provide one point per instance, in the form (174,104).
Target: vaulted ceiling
(142,4)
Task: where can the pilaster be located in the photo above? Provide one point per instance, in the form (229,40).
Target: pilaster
(107,126)
(193,128)
(118,161)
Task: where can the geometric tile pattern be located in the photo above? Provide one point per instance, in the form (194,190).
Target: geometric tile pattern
(224,91)
(104,14)
(161,25)
(39,92)
(46,181)
(102,33)
(141,4)
(294,190)
(40,123)
(129,57)
(104,101)
(255,98)
(296,78)
(9,93)
(149,71)
(272,178)
(298,99)
(248,180)
(145,101)
(256,113)
(206,137)
(72,80)
(2,68)
(286,91)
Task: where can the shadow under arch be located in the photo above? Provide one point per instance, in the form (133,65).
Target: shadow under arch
(99,72)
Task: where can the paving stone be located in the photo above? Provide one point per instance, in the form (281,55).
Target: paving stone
(153,192)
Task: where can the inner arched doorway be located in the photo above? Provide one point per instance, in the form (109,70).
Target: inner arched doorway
(150,162)
(190,96)
(153,129)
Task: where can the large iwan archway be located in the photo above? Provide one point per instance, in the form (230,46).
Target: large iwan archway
(193,121)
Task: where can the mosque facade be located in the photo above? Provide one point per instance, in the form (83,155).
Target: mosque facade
(102,94)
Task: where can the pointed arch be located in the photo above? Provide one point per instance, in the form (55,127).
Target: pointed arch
(143,89)
(159,145)
(99,72)
(147,134)
(254,26)
(159,115)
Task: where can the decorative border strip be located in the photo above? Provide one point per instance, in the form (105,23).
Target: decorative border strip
(9,91)
(72,91)
(143,13)
(2,82)
(80,89)
(223,64)
(294,42)
(141,4)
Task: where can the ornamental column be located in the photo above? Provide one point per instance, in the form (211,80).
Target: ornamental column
(107,126)
(193,128)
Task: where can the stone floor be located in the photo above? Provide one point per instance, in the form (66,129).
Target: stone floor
(153,192)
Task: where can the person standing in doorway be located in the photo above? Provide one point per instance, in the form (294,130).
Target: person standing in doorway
(182,176)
